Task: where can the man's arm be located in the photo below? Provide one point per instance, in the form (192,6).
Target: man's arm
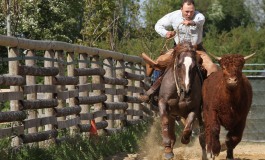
(189,23)
(198,20)
(161,25)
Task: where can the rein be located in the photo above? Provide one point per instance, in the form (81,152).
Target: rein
(179,90)
(175,77)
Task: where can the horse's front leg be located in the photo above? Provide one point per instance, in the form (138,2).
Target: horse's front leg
(185,139)
(168,129)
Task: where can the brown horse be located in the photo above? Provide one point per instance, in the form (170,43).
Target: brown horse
(180,96)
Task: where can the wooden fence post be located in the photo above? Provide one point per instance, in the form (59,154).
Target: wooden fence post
(120,69)
(13,70)
(136,106)
(108,67)
(97,79)
(83,63)
(48,81)
(70,72)
(129,93)
(31,80)
(59,55)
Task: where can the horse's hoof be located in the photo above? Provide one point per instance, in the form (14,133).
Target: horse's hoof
(184,140)
(223,147)
(168,156)
(210,156)
(204,155)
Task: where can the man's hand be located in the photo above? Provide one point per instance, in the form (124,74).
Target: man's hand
(188,23)
(170,34)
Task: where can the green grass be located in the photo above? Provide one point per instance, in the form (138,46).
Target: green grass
(80,148)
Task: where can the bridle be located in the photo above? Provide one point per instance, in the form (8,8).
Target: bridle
(177,78)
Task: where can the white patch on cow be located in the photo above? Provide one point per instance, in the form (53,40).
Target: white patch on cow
(187,63)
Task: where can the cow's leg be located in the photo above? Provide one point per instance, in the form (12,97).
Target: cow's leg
(212,137)
(185,139)
(233,138)
(165,124)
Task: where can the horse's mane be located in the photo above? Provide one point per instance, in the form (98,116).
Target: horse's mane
(181,47)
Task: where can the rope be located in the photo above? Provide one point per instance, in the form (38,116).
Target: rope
(188,32)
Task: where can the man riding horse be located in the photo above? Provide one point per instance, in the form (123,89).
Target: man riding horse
(188,26)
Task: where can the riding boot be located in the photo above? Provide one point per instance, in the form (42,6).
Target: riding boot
(146,97)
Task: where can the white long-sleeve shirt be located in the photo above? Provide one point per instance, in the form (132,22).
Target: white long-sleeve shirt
(187,33)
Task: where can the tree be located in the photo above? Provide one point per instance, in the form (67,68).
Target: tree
(52,19)
(107,23)
(225,15)
(9,8)
(45,19)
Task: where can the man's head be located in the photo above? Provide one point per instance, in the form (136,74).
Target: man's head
(188,9)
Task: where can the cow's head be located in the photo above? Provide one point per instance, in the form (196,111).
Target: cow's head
(232,65)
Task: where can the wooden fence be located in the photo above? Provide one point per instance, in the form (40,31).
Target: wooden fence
(55,86)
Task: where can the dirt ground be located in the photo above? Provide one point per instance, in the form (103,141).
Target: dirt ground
(151,150)
(244,151)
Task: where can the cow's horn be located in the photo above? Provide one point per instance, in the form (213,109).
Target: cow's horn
(215,57)
(249,56)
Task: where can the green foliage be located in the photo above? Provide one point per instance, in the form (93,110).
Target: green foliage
(225,15)
(79,148)
(241,40)
(3,65)
(2,22)
(42,19)
(4,143)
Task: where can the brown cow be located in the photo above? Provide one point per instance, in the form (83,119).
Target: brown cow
(227,97)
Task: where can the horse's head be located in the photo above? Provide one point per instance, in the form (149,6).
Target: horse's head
(185,63)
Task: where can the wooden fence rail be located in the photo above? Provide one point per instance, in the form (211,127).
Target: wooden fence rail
(53,86)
